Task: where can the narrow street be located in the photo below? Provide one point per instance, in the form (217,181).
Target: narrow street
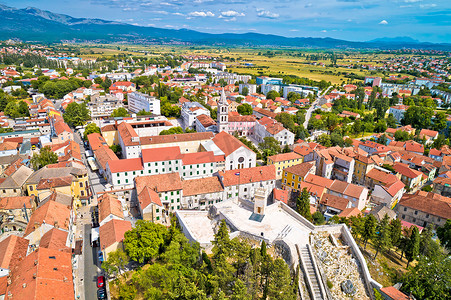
(91,269)
(309,112)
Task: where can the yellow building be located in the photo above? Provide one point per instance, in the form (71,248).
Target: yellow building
(110,134)
(293,176)
(283,161)
(362,166)
(45,180)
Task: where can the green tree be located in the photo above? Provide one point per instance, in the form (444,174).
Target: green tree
(395,231)
(430,278)
(318,218)
(401,136)
(272,95)
(269,147)
(324,140)
(173,130)
(292,97)
(143,242)
(245,109)
(90,128)
(44,158)
(120,113)
(444,234)
(245,91)
(116,148)
(115,264)
(76,114)
(221,242)
(303,204)
(418,116)
(369,228)
(382,240)
(439,121)
(23,109)
(413,245)
(391,121)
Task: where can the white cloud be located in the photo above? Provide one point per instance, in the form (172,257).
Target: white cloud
(324,30)
(294,30)
(178,14)
(161,12)
(202,1)
(201,14)
(232,13)
(383,22)
(426,6)
(412,1)
(266,14)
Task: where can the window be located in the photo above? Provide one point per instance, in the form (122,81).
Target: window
(157,210)
(134,173)
(183,167)
(126,180)
(178,192)
(158,218)
(416,212)
(82,193)
(405,208)
(81,184)
(118,182)
(403,216)
(172,200)
(149,171)
(162,163)
(142,172)
(125,173)
(31,187)
(293,177)
(172,193)
(427,216)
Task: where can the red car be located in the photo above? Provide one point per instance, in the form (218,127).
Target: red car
(100,281)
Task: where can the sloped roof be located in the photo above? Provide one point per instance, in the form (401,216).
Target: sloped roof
(248,175)
(148,196)
(284,157)
(125,165)
(161,154)
(113,231)
(201,186)
(428,205)
(44,274)
(228,143)
(52,213)
(16,202)
(159,183)
(176,138)
(55,239)
(13,249)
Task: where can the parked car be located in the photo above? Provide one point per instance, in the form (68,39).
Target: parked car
(101,293)
(100,254)
(100,281)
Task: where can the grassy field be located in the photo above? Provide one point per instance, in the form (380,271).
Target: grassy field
(283,62)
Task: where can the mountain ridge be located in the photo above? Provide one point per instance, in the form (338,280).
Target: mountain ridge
(36,25)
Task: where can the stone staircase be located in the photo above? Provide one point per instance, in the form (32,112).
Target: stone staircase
(313,278)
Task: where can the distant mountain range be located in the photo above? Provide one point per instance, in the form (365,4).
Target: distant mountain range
(35,25)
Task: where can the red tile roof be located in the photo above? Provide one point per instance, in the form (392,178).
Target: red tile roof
(61,127)
(53,213)
(148,196)
(281,195)
(350,212)
(176,138)
(55,239)
(248,175)
(302,169)
(159,183)
(394,294)
(44,274)
(318,180)
(427,204)
(96,141)
(109,204)
(128,134)
(333,201)
(112,232)
(125,165)
(13,249)
(201,186)
(161,154)
(228,143)
(198,158)
(16,202)
(284,157)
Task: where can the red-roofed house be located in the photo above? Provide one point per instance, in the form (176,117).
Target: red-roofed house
(428,135)
(237,155)
(111,235)
(123,171)
(13,250)
(150,206)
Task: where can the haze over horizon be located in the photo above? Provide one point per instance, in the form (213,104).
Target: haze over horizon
(352,20)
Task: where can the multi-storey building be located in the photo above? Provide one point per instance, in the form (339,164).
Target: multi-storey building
(139,101)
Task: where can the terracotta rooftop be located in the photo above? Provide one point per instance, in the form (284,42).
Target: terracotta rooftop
(113,231)
(281,195)
(50,183)
(16,202)
(161,154)
(96,141)
(198,158)
(318,180)
(55,239)
(109,204)
(103,155)
(201,186)
(148,196)
(176,138)
(248,175)
(333,201)
(44,274)
(128,134)
(301,169)
(427,204)
(350,212)
(52,213)
(159,183)
(394,294)
(13,249)
(125,165)
(284,157)
(228,143)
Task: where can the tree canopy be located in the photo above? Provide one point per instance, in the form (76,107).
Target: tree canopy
(45,157)
(76,114)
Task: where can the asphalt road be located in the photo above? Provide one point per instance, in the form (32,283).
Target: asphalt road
(309,112)
(90,260)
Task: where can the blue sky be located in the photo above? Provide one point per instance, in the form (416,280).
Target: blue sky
(355,20)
